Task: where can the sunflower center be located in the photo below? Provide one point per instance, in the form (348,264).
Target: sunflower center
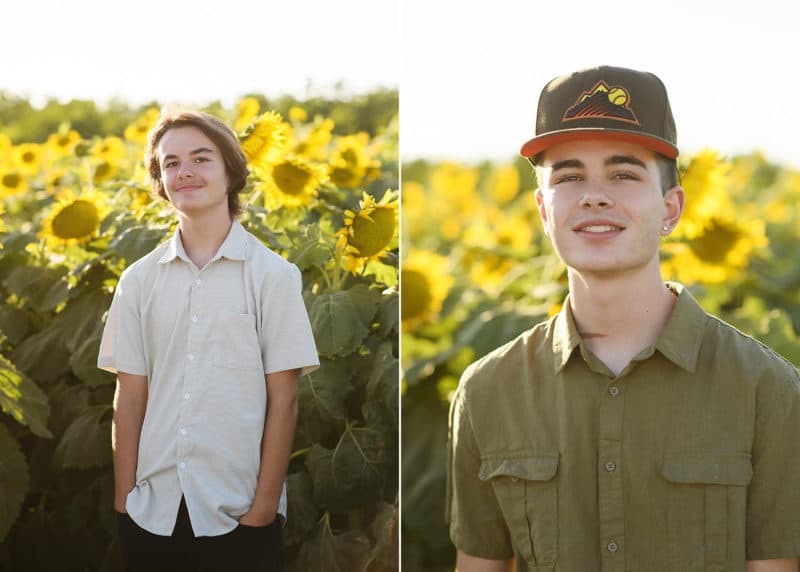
(63,141)
(290,179)
(11,180)
(715,243)
(103,170)
(29,157)
(372,236)
(416,294)
(76,220)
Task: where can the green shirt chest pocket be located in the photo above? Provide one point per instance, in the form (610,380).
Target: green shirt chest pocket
(526,488)
(706,502)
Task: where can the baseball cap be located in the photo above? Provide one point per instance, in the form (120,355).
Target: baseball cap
(608,103)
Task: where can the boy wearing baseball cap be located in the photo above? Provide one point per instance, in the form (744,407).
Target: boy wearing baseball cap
(632,431)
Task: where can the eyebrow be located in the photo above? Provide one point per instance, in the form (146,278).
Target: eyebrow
(198,151)
(613,160)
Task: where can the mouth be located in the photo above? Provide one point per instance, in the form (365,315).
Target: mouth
(599,228)
(187,188)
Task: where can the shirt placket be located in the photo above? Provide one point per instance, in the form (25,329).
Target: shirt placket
(612,528)
(193,343)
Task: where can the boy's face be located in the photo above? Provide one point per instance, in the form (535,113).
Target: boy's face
(193,172)
(602,205)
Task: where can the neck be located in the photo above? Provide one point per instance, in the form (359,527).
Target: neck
(620,315)
(203,235)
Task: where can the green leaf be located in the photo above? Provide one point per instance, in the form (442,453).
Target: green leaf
(329,552)
(383,273)
(22,399)
(87,441)
(341,320)
(14,323)
(28,356)
(13,480)
(308,251)
(137,241)
(81,318)
(385,553)
(388,315)
(35,283)
(84,363)
(350,475)
(381,405)
(322,395)
(303,514)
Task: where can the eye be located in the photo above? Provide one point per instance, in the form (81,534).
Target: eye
(201,159)
(567,178)
(170,164)
(625,176)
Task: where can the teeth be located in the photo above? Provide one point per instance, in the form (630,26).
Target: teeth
(599,228)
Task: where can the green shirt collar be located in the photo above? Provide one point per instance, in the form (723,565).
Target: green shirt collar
(679,342)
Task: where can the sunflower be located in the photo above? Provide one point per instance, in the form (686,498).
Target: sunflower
(12,182)
(103,171)
(291,182)
(490,247)
(28,158)
(350,162)
(717,255)
(137,131)
(74,219)
(314,143)
(62,144)
(264,140)
(424,284)
(504,184)
(368,233)
(5,149)
(246,111)
(110,149)
(297,114)
(706,182)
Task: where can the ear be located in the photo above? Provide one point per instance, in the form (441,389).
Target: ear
(674,203)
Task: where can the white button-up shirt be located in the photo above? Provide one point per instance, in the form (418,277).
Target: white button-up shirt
(205,338)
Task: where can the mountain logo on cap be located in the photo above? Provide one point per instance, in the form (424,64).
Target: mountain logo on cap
(602,101)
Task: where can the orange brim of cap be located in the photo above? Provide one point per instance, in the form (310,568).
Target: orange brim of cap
(544,142)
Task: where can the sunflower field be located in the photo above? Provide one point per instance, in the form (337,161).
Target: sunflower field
(477,271)
(75,210)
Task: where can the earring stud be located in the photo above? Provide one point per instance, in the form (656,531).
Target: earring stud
(666,228)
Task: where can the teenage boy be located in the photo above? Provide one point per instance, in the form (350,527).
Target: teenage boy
(207,335)
(632,431)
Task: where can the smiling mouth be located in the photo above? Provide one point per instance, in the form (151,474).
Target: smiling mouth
(598,228)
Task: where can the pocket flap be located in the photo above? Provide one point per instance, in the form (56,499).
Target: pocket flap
(530,468)
(713,469)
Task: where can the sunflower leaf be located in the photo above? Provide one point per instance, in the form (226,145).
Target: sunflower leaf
(329,552)
(303,513)
(137,241)
(341,320)
(35,284)
(86,442)
(381,404)
(13,480)
(22,399)
(27,356)
(14,324)
(322,395)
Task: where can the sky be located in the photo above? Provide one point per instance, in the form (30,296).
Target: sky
(472,70)
(197,51)
(469,71)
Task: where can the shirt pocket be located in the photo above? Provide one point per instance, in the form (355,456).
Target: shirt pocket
(705,507)
(237,342)
(526,488)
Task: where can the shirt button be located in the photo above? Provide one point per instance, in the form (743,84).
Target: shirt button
(191,357)
(612,546)
(614,391)
(610,466)
(198,282)
(183,465)
(194,318)
(186,396)
(183,430)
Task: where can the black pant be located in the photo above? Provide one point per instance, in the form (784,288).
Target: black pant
(244,548)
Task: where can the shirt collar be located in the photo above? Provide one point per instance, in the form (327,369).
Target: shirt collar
(679,342)
(233,247)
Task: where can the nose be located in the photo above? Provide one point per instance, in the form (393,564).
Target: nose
(185,172)
(595,197)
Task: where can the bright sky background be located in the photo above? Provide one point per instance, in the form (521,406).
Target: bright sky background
(473,69)
(196,51)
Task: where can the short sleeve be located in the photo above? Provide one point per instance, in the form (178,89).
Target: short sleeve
(287,341)
(773,497)
(122,347)
(477,526)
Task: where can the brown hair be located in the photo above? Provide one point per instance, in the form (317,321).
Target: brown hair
(220,134)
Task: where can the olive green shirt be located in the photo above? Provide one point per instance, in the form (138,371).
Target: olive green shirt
(688,460)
